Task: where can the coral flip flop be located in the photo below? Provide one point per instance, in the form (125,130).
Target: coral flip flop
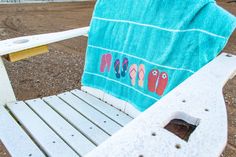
(105,62)
(125,64)
(108,61)
(117,68)
(152,79)
(141,74)
(132,73)
(162,83)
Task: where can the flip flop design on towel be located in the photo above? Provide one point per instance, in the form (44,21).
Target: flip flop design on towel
(157,81)
(141,74)
(162,83)
(105,62)
(125,64)
(117,68)
(132,73)
(152,80)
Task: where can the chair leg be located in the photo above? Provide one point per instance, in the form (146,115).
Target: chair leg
(6,90)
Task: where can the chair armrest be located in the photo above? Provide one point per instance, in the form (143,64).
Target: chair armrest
(27,42)
(198,101)
(27,46)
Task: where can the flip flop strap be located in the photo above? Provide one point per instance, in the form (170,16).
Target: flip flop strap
(116,63)
(133,69)
(141,70)
(125,62)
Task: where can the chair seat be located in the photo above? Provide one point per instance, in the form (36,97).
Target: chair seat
(69,124)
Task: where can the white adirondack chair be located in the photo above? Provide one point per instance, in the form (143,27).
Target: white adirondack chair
(76,123)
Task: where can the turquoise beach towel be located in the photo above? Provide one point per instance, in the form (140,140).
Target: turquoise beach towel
(139,50)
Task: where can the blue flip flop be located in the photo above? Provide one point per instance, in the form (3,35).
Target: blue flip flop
(124,66)
(117,68)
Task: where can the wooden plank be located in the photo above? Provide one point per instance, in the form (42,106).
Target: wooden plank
(110,111)
(81,123)
(93,91)
(16,56)
(91,113)
(67,132)
(40,132)
(131,110)
(116,102)
(17,142)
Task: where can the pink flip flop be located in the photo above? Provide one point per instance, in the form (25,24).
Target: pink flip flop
(141,74)
(108,61)
(132,73)
(162,83)
(152,79)
(105,62)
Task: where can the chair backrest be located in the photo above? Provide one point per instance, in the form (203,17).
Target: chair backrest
(138,51)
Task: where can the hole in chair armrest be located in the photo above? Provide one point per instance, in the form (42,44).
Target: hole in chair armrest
(21,41)
(180,128)
(182,125)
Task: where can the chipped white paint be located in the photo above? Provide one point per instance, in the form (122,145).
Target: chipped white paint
(95,92)
(198,100)
(111,112)
(131,110)
(116,102)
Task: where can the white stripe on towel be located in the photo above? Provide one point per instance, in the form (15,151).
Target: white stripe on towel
(144,60)
(160,28)
(107,78)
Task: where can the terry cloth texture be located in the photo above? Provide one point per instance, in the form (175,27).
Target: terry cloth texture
(139,50)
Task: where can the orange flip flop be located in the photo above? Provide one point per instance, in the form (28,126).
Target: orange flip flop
(162,83)
(152,80)
(141,74)
(132,73)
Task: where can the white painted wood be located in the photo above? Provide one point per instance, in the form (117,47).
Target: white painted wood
(52,144)
(116,102)
(21,43)
(68,133)
(6,90)
(93,132)
(131,110)
(108,110)
(14,138)
(203,100)
(91,113)
(93,91)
